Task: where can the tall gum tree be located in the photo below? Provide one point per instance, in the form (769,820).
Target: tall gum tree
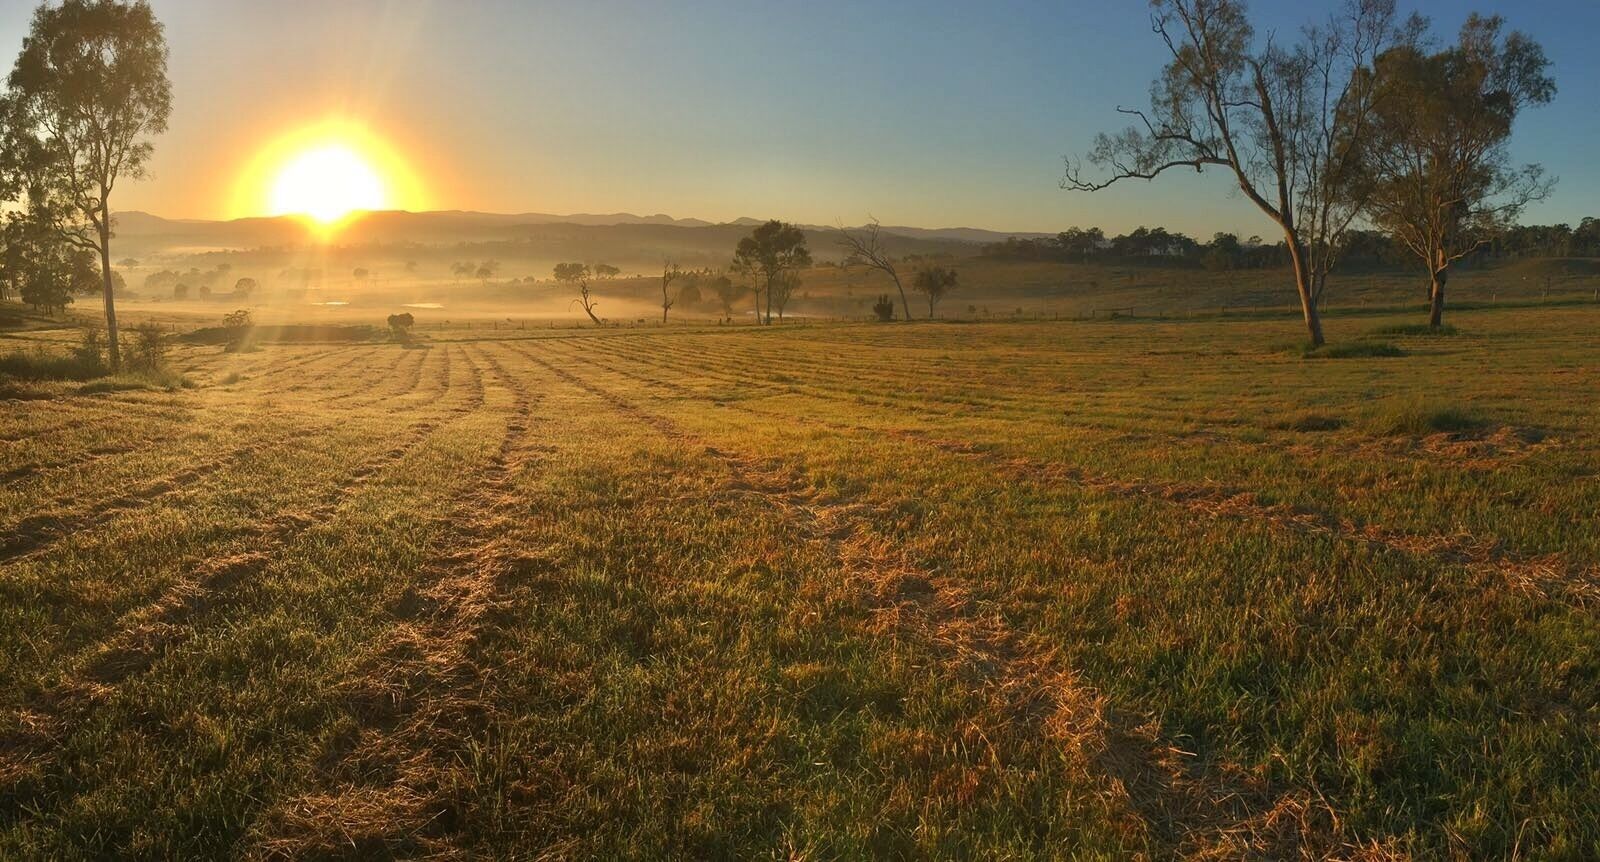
(1438,161)
(1286,122)
(87,92)
(770,252)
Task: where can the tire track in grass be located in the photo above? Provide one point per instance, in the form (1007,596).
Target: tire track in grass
(89,456)
(37,533)
(1141,772)
(145,634)
(396,382)
(405,385)
(99,408)
(1545,576)
(272,375)
(421,695)
(351,357)
(373,384)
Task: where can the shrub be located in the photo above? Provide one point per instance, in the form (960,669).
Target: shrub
(149,349)
(160,379)
(237,325)
(884,308)
(40,365)
(400,326)
(92,348)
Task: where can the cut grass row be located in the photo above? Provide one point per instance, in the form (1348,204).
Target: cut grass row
(1444,488)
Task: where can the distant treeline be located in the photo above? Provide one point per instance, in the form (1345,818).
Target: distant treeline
(1226,251)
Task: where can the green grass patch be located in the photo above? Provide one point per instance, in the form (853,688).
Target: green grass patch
(1416,330)
(1339,350)
(11,390)
(40,365)
(1419,418)
(1310,422)
(157,380)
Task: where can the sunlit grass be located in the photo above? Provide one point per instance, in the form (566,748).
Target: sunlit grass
(832,591)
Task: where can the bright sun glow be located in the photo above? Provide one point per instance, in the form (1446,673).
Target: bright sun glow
(327,184)
(326,174)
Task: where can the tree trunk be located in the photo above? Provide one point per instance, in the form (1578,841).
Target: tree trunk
(1436,298)
(904,303)
(1302,284)
(588,307)
(113,348)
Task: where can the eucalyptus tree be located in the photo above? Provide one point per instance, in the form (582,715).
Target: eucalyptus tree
(669,273)
(87,93)
(1286,123)
(1443,183)
(935,283)
(865,249)
(772,251)
(577,275)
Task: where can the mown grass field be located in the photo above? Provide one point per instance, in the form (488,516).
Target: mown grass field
(983,590)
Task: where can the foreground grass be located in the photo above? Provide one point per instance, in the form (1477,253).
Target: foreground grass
(1073,590)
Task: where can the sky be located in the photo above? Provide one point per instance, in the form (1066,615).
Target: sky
(935,113)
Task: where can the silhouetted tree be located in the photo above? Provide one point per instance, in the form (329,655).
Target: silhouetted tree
(1439,161)
(486,271)
(87,91)
(935,283)
(669,274)
(14,251)
(782,289)
(727,293)
(769,251)
(400,326)
(866,249)
(606,270)
(1288,123)
(48,273)
(577,275)
(244,287)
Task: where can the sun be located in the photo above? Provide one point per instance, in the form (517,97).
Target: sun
(327,174)
(327,184)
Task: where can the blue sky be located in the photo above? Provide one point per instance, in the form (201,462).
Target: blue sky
(935,113)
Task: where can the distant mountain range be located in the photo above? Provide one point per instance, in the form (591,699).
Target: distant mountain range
(448,225)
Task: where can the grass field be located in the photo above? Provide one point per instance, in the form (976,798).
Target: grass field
(978,590)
